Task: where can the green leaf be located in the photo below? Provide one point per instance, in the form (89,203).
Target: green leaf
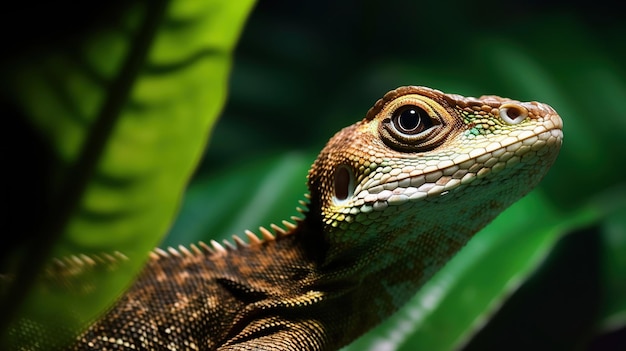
(257,193)
(125,113)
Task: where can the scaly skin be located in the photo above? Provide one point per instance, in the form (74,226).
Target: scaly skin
(392,199)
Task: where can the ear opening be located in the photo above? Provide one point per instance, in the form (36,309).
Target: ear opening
(343,184)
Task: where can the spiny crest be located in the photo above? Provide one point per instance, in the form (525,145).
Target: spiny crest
(77,272)
(216,249)
(77,264)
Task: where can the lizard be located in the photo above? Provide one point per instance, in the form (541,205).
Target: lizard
(391,199)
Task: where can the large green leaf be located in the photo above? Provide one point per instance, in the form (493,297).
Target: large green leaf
(125,112)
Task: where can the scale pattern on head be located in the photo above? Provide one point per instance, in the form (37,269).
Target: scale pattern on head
(417,144)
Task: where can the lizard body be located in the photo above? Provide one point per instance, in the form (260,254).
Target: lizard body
(392,199)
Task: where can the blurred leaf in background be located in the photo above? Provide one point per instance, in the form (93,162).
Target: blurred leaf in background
(550,273)
(111,110)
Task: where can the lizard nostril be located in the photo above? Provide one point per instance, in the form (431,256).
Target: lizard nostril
(512,113)
(344,180)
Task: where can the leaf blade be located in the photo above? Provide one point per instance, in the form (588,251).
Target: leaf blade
(126,146)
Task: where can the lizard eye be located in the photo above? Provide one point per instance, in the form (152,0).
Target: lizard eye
(414,124)
(411,120)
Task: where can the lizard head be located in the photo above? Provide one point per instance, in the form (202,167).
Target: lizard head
(425,170)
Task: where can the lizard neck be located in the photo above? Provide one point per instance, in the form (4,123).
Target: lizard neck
(366,282)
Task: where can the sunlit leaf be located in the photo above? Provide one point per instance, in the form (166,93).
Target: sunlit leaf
(126,113)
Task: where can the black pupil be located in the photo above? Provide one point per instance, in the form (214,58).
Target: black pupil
(513,113)
(412,119)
